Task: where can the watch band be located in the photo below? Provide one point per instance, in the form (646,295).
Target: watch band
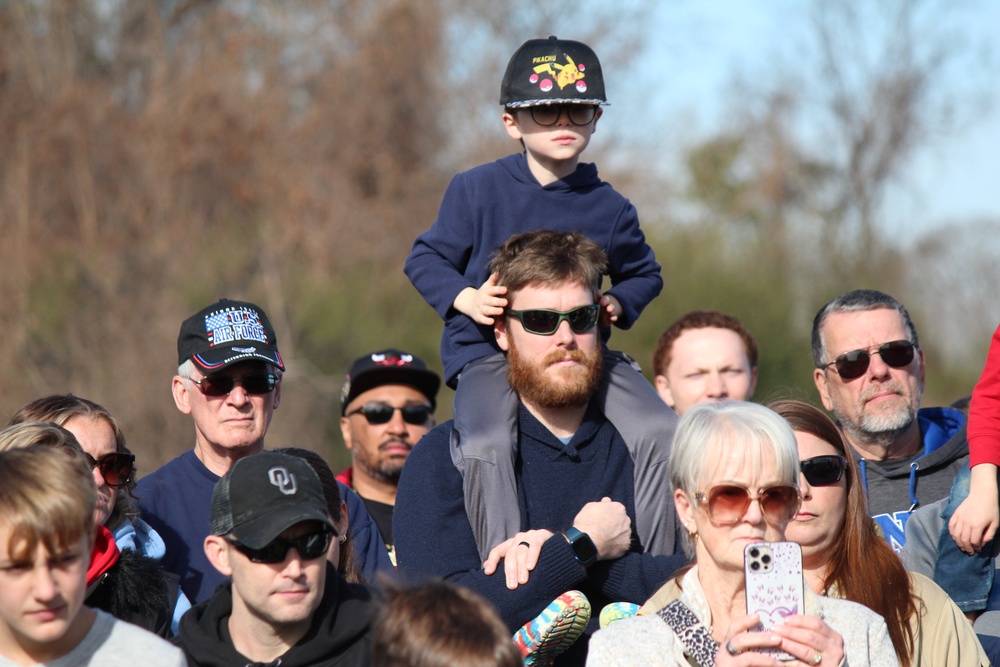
(583,547)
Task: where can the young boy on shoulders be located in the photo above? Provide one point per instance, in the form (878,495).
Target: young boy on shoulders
(552,92)
(47,500)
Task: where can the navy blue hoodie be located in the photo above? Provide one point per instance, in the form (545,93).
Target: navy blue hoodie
(485,206)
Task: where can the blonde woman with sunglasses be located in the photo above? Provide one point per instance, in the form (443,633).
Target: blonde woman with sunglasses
(844,556)
(734,468)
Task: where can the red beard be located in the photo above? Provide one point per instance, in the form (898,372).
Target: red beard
(535,385)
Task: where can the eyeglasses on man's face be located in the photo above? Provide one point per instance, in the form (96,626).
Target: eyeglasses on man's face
(545,322)
(309,547)
(852,365)
(222,385)
(381,413)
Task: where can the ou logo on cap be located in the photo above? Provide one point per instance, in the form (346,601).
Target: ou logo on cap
(284,480)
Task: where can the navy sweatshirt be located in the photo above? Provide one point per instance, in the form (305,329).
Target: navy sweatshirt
(434,537)
(485,206)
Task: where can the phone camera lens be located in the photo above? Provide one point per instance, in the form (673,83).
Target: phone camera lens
(766,559)
(754,552)
(754,566)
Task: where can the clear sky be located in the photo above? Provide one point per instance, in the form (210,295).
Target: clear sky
(699,46)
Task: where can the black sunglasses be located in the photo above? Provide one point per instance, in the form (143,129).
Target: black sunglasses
(116,468)
(381,413)
(823,470)
(549,114)
(309,547)
(544,322)
(853,364)
(222,385)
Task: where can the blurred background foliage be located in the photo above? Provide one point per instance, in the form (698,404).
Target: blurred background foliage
(156,156)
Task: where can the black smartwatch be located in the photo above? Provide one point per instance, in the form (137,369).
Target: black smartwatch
(583,546)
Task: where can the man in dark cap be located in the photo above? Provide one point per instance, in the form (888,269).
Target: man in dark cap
(386,406)
(229,381)
(284,603)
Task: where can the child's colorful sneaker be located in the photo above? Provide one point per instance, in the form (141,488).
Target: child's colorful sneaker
(617,611)
(554,630)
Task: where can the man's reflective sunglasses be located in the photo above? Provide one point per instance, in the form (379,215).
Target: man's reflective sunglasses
(824,470)
(547,115)
(853,364)
(223,385)
(545,322)
(727,503)
(381,413)
(309,547)
(116,468)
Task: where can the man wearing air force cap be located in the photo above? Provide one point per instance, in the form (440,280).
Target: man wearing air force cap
(229,381)
(284,603)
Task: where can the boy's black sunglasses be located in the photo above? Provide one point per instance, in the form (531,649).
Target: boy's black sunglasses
(116,468)
(823,470)
(544,322)
(381,413)
(223,385)
(853,364)
(309,547)
(549,114)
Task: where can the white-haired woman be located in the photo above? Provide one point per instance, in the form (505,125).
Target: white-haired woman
(734,468)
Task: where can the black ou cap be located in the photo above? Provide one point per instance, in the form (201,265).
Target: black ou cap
(265,494)
(227,332)
(552,71)
(389,367)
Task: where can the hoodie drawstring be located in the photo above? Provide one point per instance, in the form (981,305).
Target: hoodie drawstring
(913,485)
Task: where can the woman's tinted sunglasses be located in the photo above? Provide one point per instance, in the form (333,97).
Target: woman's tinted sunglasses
(544,322)
(309,547)
(727,503)
(116,468)
(824,470)
(853,364)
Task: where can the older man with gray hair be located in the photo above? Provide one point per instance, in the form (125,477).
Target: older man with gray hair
(870,373)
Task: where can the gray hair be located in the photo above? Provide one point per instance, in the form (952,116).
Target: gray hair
(743,430)
(858,300)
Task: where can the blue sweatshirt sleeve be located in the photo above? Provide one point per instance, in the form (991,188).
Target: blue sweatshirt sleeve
(632,266)
(440,256)
(433,538)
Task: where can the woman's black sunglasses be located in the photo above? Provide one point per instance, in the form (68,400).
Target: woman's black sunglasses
(824,470)
(853,364)
(544,322)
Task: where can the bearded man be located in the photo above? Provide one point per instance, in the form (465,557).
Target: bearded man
(870,375)
(574,474)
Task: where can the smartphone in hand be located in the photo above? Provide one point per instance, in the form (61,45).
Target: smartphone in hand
(774,585)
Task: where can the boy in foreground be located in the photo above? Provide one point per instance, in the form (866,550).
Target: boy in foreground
(47,501)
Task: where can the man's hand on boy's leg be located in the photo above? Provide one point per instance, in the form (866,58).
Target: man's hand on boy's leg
(611,309)
(482,304)
(975,521)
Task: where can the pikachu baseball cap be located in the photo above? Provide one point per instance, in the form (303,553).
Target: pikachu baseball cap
(552,71)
